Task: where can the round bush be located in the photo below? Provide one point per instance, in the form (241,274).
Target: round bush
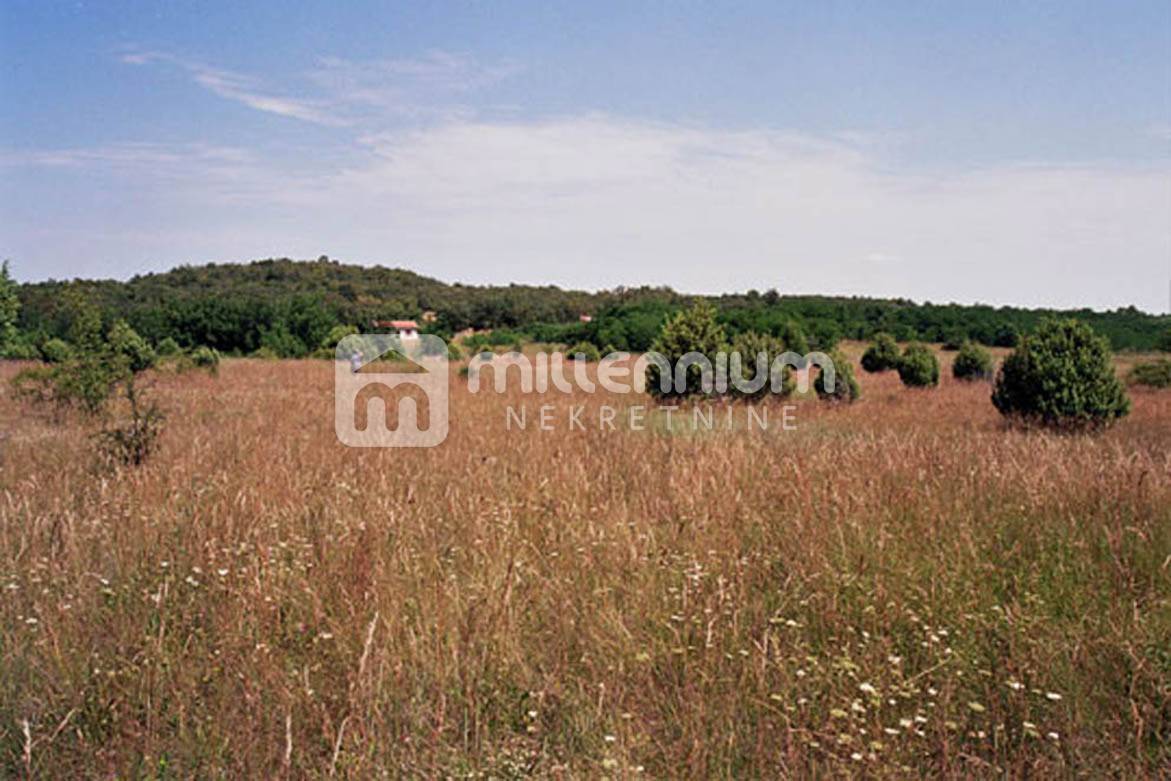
(749,346)
(1154,374)
(972,363)
(883,354)
(168,348)
(1061,376)
(845,385)
(691,330)
(126,343)
(919,368)
(56,351)
(205,358)
(584,351)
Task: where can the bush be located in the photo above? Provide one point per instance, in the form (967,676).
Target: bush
(693,330)
(1061,376)
(918,367)
(972,363)
(127,345)
(168,348)
(1154,374)
(882,354)
(56,351)
(206,358)
(19,349)
(584,351)
(845,385)
(335,335)
(453,352)
(749,345)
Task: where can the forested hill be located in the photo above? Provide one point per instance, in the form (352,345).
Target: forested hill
(291,306)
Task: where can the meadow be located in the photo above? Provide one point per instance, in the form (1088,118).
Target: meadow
(901,586)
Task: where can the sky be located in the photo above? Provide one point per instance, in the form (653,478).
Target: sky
(1006,153)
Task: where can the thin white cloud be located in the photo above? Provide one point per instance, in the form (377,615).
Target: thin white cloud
(599,200)
(242,89)
(352,91)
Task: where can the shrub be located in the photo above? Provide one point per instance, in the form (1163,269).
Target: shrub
(1154,374)
(954,341)
(453,352)
(693,330)
(264,353)
(18,349)
(845,385)
(1061,376)
(127,345)
(882,354)
(168,348)
(749,345)
(584,351)
(56,351)
(100,378)
(206,358)
(972,363)
(918,367)
(335,335)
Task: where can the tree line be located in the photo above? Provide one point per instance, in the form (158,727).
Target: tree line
(290,308)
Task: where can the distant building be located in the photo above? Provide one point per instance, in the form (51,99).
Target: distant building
(585,318)
(429,316)
(407,329)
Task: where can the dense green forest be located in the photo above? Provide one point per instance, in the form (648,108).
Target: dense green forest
(289,308)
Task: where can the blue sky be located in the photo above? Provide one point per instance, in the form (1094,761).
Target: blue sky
(1001,152)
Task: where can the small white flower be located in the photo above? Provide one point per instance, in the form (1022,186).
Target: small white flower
(1053,696)
(1052,736)
(610,738)
(867,688)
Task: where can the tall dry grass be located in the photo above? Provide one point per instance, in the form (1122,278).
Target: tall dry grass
(899,586)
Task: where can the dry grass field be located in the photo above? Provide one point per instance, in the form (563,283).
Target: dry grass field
(899,587)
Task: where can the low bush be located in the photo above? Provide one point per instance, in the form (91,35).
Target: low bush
(882,354)
(918,367)
(845,387)
(1154,374)
(206,358)
(751,348)
(1061,376)
(584,351)
(972,363)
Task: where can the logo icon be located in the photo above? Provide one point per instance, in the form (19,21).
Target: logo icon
(373,373)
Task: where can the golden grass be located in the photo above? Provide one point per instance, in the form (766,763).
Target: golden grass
(899,586)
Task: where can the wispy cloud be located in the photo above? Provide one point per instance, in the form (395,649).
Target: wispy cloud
(598,200)
(242,89)
(348,92)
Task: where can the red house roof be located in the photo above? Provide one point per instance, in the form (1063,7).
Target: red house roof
(398,324)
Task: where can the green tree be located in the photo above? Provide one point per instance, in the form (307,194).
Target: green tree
(918,367)
(9,308)
(972,363)
(845,387)
(750,347)
(1061,376)
(693,330)
(882,354)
